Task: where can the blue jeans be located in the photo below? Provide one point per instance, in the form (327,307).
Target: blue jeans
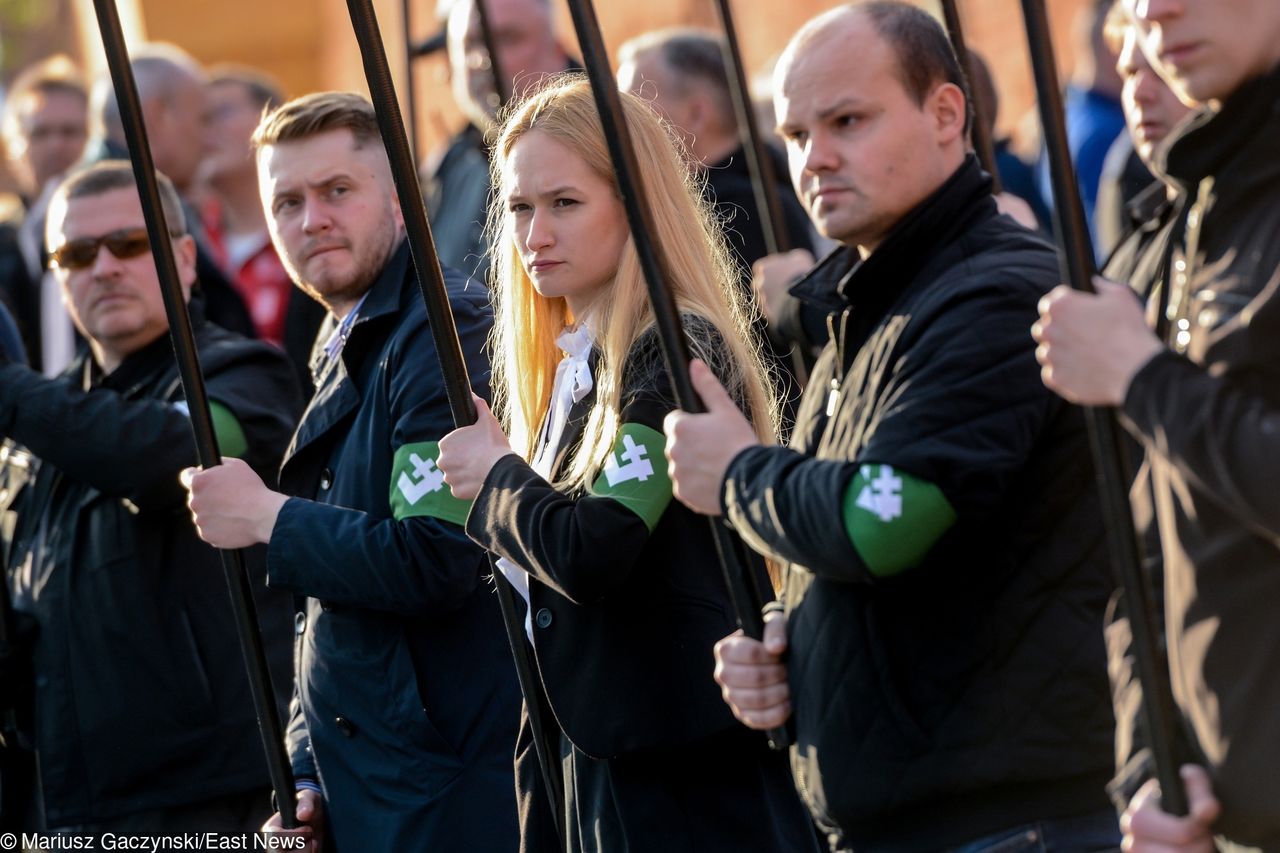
(1092,833)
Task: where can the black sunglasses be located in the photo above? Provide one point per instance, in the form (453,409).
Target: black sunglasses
(81,253)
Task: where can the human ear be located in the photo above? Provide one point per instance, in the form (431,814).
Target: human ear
(184,257)
(948,107)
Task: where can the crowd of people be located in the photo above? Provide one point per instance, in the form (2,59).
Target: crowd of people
(893,428)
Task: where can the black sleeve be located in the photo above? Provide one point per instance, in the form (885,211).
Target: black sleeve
(962,409)
(135,449)
(415,565)
(10,340)
(583,546)
(1220,436)
(787,506)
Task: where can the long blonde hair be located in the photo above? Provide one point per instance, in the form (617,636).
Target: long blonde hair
(702,277)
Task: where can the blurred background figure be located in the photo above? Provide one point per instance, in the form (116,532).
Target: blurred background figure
(234,220)
(1016,175)
(171,87)
(681,73)
(1092,105)
(458,186)
(45,124)
(1132,194)
(44,129)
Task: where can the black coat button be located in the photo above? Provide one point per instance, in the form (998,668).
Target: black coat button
(345,726)
(326,478)
(300,623)
(543,617)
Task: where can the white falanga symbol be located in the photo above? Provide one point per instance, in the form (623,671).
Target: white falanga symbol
(432,479)
(883,495)
(638,466)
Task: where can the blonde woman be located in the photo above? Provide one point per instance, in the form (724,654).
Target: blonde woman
(624,594)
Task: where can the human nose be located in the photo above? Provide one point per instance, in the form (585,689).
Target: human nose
(104,263)
(315,216)
(1146,91)
(539,233)
(819,154)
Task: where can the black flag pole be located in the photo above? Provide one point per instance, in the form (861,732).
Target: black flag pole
(410,84)
(1104,431)
(743,591)
(501,90)
(193,389)
(764,180)
(444,334)
(17,753)
(981,132)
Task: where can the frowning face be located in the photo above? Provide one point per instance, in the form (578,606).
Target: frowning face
(332,212)
(568,222)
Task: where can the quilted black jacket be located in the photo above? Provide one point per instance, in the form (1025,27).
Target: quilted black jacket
(968,694)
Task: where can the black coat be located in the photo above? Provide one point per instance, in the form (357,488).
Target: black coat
(1205,411)
(967,694)
(141,698)
(730,189)
(407,705)
(624,621)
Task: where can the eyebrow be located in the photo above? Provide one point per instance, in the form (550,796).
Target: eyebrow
(550,191)
(845,103)
(319,185)
(839,106)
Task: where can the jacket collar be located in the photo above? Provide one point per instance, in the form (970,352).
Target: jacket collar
(1207,140)
(138,368)
(386,294)
(842,277)
(336,395)
(577,422)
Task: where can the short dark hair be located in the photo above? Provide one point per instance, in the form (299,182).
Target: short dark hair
(109,175)
(924,54)
(265,92)
(318,113)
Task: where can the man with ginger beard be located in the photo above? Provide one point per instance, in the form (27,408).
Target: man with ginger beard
(406,705)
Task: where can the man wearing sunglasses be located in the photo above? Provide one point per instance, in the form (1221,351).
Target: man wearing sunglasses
(142,717)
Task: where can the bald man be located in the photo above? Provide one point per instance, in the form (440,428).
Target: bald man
(173,92)
(946,578)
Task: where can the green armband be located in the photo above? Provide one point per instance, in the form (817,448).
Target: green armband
(418,487)
(635,474)
(893,518)
(230,435)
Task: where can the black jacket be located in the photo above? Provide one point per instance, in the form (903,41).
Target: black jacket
(141,697)
(631,612)
(624,618)
(729,187)
(1206,411)
(407,705)
(968,694)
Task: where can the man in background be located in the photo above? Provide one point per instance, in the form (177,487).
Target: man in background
(235,223)
(44,129)
(171,88)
